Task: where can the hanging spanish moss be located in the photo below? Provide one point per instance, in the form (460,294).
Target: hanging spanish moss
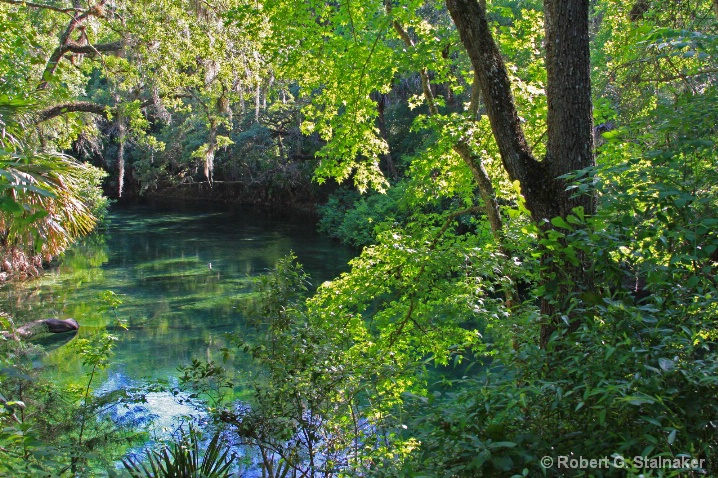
(209,154)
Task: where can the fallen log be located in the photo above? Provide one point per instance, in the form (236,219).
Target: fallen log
(43,326)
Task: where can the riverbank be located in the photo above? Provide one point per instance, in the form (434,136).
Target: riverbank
(300,196)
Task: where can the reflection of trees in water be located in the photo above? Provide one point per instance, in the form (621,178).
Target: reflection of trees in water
(50,294)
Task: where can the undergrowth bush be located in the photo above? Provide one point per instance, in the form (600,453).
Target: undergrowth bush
(632,375)
(355,219)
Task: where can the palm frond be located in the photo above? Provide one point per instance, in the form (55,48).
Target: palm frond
(183,459)
(16,116)
(41,203)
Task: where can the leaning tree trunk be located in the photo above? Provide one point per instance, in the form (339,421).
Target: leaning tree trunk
(569,119)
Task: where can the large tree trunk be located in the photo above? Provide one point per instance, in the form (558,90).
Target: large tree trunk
(570,126)
(568,91)
(569,136)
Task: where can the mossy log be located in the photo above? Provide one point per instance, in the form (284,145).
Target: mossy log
(43,326)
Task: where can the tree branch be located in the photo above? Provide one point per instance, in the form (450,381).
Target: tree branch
(679,76)
(462,148)
(423,73)
(85,107)
(486,190)
(75,106)
(89,49)
(77,20)
(69,10)
(470,19)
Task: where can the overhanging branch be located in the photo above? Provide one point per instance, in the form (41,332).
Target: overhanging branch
(75,22)
(72,107)
(69,10)
(89,49)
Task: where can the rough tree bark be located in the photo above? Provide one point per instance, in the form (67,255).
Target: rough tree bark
(569,118)
(568,91)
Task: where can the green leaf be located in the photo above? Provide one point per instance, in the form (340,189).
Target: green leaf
(640,400)
(502,462)
(501,444)
(560,222)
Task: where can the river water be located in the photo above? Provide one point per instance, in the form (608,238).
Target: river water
(183,276)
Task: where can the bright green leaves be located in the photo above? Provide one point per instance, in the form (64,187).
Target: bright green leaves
(521,41)
(354,146)
(681,43)
(339,57)
(669,51)
(415,286)
(95,353)
(21,51)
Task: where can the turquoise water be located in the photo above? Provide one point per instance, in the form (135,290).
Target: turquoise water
(184,277)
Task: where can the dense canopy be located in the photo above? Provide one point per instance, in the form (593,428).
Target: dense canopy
(531,188)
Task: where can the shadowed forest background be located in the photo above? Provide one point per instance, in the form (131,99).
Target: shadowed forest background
(526,190)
